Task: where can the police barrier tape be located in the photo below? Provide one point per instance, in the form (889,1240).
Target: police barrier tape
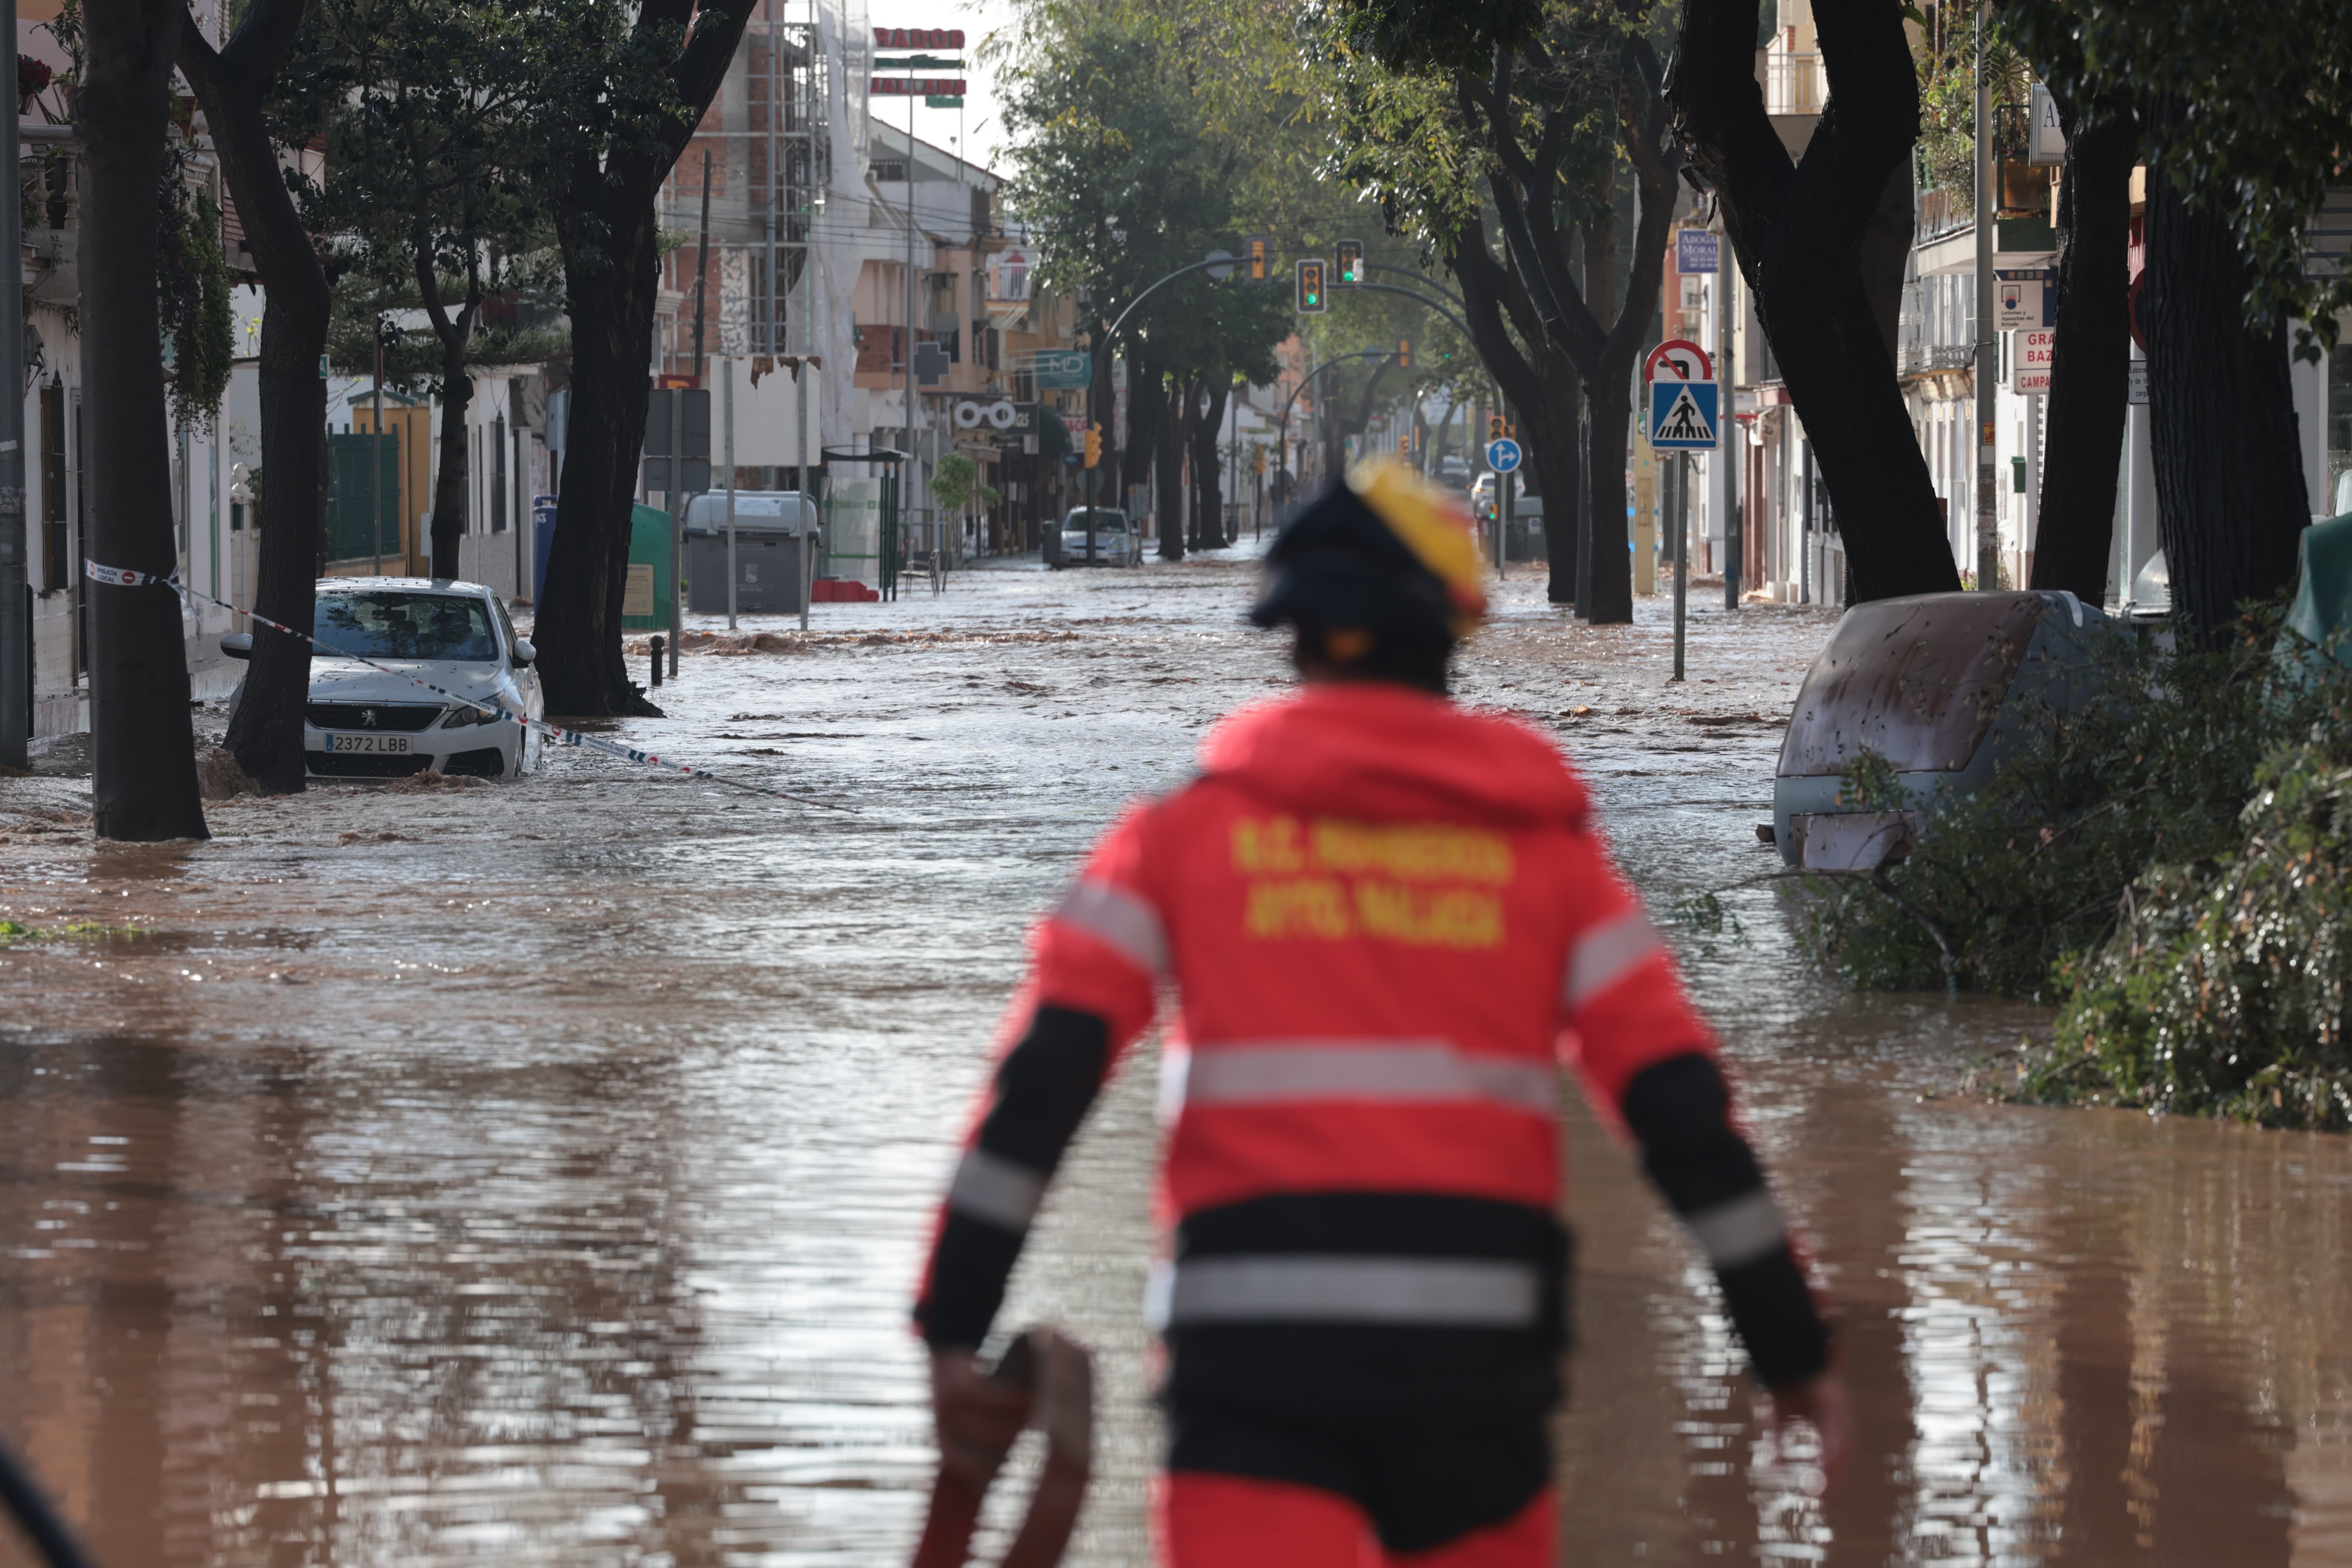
(124,578)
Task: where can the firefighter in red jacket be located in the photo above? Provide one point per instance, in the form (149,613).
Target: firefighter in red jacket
(1387,921)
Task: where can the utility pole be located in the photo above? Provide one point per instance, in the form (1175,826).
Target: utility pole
(677,517)
(375,449)
(913,468)
(1683,465)
(701,266)
(1729,447)
(799,409)
(1988,356)
(15,593)
(727,401)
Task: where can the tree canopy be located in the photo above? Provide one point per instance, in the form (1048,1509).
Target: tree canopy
(2262,123)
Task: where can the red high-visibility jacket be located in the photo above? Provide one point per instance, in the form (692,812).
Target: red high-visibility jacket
(1387,921)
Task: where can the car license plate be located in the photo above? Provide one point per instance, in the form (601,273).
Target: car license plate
(392,745)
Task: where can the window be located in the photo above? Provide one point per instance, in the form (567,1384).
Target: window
(408,625)
(506,626)
(890,171)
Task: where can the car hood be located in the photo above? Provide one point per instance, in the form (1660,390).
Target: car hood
(343,680)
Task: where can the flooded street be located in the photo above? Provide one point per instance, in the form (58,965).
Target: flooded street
(538,1174)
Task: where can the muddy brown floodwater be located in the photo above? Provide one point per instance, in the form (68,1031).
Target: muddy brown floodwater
(537,1175)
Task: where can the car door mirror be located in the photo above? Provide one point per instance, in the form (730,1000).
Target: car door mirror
(236,645)
(524,653)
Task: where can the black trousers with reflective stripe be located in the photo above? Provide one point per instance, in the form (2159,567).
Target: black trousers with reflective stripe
(1304,1369)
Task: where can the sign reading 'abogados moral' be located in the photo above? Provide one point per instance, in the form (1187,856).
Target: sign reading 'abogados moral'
(918,37)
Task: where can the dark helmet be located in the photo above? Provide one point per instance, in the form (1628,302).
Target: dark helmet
(1383,557)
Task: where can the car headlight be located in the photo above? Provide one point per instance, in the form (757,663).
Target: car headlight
(459,717)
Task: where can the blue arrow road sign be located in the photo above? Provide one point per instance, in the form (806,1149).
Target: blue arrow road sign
(1502,456)
(1683,415)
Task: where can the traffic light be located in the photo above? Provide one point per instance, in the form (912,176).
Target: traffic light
(1260,252)
(1312,300)
(1404,353)
(1404,445)
(1257,459)
(1351,263)
(1093,444)
(1493,427)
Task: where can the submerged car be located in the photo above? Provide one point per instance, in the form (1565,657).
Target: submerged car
(1940,690)
(1115,542)
(362,721)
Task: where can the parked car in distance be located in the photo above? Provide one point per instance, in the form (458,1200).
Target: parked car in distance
(1523,503)
(1116,542)
(363,722)
(1454,471)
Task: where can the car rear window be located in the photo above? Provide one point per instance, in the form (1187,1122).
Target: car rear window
(1105,522)
(408,625)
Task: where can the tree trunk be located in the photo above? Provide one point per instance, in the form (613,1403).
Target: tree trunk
(449,474)
(2230,500)
(1608,594)
(610,239)
(2089,357)
(1799,233)
(1167,475)
(1551,436)
(143,774)
(1147,400)
(1341,430)
(1542,392)
(266,733)
(1208,471)
(578,631)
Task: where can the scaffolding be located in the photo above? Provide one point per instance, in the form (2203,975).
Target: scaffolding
(797,169)
(787,116)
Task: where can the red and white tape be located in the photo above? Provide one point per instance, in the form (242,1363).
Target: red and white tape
(124,578)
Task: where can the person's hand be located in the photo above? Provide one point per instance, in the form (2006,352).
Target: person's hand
(977,1416)
(1820,1403)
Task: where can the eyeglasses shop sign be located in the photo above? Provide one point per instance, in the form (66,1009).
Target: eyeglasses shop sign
(994,416)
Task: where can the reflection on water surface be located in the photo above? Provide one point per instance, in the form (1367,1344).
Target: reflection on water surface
(538,1175)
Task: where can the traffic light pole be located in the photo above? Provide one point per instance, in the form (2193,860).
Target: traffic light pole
(1101,352)
(1402,272)
(1284,423)
(1459,325)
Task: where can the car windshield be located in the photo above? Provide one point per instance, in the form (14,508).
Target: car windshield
(1105,522)
(408,625)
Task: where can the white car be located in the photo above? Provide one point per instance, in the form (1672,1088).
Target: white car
(1117,544)
(364,722)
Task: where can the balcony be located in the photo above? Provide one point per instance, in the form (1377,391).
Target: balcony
(1926,359)
(1794,83)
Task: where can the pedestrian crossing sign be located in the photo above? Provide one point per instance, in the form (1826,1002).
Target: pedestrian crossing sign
(1683,415)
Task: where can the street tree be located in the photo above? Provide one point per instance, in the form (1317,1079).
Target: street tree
(432,148)
(959,489)
(1409,133)
(2086,409)
(1820,242)
(235,83)
(2243,128)
(1137,146)
(620,86)
(144,774)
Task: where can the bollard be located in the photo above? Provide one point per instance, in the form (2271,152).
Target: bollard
(657,661)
